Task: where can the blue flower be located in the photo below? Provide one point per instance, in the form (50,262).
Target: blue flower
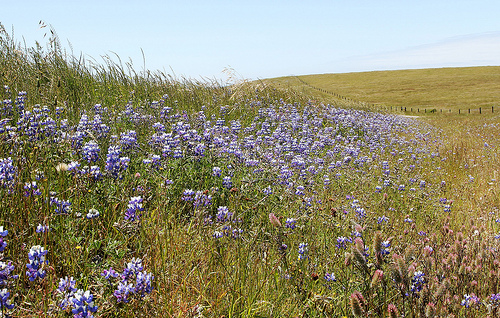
(470,300)
(382,218)
(62,207)
(4,300)
(42,228)
(93,213)
(90,151)
(67,290)
(385,247)
(330,277)
(109,273)
(303,249)
(227,183)
(36,258)
(134,281)
(417,282)
(342,242)
(216,171)
(83,304)
(290,223)
(134,206)
(223,214)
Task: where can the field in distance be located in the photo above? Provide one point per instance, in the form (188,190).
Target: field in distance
(425,89)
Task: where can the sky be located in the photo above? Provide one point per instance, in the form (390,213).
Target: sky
(263,39)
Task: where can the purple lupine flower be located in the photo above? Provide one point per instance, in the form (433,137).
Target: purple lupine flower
(132,268)
(382,219)
(236,233)
(223,214)
(36,257)
(385,247)
(109,273)
(227,183)
(330,277)
(73,167)
(128,139)
(67,290)
(3,244)
(95,172)
(267,190)
(93,213)
(360,212)
(134,281)
(299,190)
(31,189)
(201,200)
(470,300)
(123,291)
(417,282)
(4,300)
(495,299)
(218,234)
(62,207)
(216,171)
(290,223)
(6,270)
(187,195)
(83,304)
(42,228)
(7,172)
(342,242)
(143,284)
(303,249)
(134,206)
(158,127)
(90,151)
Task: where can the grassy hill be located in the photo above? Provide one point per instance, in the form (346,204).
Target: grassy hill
(443,88)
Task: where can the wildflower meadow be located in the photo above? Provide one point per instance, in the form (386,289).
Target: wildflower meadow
(130,194)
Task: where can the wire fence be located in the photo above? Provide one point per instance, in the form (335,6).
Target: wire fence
(479,110)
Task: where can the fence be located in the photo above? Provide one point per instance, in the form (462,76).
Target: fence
(479,110)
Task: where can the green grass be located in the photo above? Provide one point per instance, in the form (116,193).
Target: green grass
(425,89)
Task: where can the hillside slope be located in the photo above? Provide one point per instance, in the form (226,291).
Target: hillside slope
(443,88)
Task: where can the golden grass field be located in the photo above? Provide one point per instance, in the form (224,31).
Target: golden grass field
(425,89)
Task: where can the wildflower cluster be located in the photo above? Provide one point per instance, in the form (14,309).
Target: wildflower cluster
(133,282)
(36,263)
(134,209)
(6,275)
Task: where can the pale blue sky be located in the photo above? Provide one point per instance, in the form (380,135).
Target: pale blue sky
(261,39)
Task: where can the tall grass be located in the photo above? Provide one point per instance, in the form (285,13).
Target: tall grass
(240,201)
